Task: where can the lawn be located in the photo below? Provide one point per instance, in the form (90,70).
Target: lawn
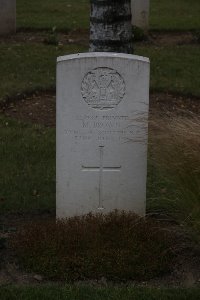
(27,166)
(69,14)
(62,14)
(29,67)
(89,293)
(173,68)
(174,15)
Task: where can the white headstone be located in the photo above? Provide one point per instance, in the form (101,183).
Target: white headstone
(7,16)
(140,13)
(102,109)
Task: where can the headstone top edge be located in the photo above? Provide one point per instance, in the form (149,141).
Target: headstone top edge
(102,55)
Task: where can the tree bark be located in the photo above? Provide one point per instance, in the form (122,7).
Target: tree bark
(110,26)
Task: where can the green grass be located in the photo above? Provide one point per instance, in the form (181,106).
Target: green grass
(69,14)
(89,293)
(174,15)
(174,69)
(30,67)
(27,159)
(64,14)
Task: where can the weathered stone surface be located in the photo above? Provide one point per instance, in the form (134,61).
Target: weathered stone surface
(140,13)
(102,108)
(7,16)
(110,26)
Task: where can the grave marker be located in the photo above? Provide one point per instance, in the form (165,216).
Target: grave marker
(7,16)
(140,13)
(102,109)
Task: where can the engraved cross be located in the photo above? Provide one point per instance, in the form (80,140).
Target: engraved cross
(101,169)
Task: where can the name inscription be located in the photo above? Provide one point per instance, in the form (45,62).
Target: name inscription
(105,128)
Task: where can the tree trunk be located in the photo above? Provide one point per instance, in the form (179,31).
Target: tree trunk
(110,26)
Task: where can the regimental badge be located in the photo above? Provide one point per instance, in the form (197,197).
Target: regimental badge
(103,88)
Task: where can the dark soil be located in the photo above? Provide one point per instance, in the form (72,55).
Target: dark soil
(172,38)
(81,37)
(169,104)
(40,108)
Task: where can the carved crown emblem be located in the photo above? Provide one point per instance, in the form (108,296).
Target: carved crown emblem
(103,88)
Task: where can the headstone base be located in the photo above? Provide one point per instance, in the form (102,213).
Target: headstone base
(7,17)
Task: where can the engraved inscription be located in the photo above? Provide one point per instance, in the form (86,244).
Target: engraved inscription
(103,88)
(115,128)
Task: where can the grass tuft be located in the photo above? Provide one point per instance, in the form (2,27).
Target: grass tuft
(175,144)
(118,246)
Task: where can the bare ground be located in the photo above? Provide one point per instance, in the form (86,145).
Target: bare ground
(40,107)
(81,37)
